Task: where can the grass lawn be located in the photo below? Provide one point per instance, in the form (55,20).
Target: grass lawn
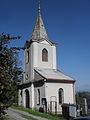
(36,113)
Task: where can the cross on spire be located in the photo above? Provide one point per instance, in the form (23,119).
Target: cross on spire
(39,8)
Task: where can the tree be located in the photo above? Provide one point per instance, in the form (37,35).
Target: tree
(10,72)
(80,96)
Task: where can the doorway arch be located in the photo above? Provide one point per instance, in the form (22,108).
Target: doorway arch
(27,98)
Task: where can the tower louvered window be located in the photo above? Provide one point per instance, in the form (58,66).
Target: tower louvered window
(45,55)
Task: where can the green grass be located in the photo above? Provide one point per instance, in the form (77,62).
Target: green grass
(36,113)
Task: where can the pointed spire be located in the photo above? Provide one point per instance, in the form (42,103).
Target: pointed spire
(39,31)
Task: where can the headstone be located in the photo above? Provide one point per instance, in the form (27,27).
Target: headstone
(84,106)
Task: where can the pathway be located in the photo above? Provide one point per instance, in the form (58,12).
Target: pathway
(17,115)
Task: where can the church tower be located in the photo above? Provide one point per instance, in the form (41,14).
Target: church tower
(40,52)
(44,86)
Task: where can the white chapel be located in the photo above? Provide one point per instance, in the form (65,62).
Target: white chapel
(44,87)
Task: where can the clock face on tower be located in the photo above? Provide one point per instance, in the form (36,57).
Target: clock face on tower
(27,56)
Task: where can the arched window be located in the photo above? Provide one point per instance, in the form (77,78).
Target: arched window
(27,98)
(27,56)
(44,55)
(61,96)
(38,97)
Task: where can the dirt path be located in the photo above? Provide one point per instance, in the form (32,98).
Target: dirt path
(14,115)
(17,115)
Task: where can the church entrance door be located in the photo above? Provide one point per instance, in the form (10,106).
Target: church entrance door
(27,99)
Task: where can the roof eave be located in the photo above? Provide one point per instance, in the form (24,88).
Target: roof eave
(60,80)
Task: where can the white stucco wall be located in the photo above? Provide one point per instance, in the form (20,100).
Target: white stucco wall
(23,99)
(51,89)
(19,97)
(37,55)
(48,64)
(54,57)
(42,95)
(27,65)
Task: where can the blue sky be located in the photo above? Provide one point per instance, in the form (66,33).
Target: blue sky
(67,23)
